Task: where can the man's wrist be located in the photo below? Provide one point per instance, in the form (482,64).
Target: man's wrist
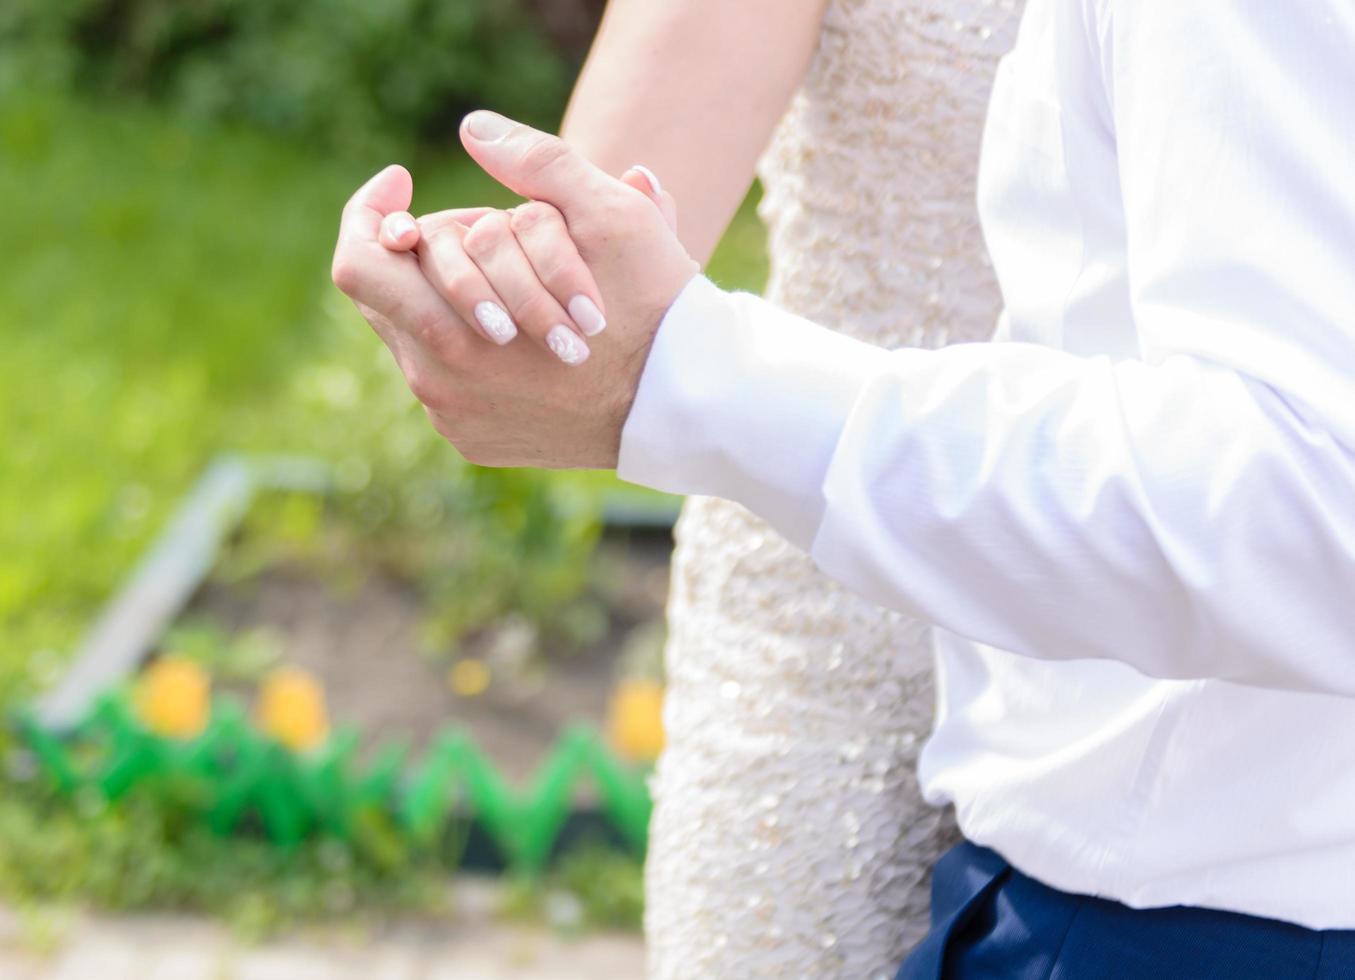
(744,401)
(633,365)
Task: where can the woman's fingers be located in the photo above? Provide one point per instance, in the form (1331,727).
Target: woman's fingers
(495,249)
(462,216)
(643,180)
(399,231)
(511,272)
(544,238)
(459,280)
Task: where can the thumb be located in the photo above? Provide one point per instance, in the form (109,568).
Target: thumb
(533,164)
(643,180)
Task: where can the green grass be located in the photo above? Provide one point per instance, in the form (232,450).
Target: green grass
(740,261)
(160,293)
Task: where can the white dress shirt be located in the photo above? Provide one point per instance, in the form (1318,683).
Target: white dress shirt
(1135,521)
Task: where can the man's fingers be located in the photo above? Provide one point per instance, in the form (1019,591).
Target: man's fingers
(390,190)
(534,164)
(429,381)
(360,227)
(395,298)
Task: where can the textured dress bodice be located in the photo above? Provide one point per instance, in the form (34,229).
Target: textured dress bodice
(869,181)
(789,836)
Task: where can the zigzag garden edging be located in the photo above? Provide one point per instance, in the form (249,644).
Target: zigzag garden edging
(235,778)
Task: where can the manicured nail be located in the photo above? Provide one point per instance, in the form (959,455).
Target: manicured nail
(497,323)
(587,315)
(654,184)
(487,127)
(566,345)
(399,225)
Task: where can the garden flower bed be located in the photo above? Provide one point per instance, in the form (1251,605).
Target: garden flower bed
(507,741)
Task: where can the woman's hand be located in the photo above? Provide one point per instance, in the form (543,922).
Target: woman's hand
(516,270)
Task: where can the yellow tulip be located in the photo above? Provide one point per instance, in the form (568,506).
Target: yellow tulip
(172,698)
(292,708)
(635,719)
(469,677)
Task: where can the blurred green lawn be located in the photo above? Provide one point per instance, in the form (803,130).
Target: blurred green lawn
(164,296)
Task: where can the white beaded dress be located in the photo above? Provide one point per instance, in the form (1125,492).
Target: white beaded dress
(789,836)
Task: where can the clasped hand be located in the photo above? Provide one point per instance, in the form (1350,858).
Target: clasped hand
(496,319)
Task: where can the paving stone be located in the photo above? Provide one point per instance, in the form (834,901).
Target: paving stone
(87,958)
(465,947)
(185,964)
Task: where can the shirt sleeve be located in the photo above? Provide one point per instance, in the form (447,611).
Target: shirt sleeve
(1179,516)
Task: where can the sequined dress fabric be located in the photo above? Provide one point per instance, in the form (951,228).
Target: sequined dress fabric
(789,836)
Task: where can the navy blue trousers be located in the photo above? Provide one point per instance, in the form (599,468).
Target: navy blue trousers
(990,921)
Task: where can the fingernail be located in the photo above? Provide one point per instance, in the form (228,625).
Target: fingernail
(497,323)
(399,225)
(654,184)
(587,315)
(487,127)
(566,345)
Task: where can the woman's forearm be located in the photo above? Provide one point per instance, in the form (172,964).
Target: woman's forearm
(692,90)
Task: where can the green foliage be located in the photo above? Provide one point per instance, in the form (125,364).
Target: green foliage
(592,887)
(141,854)
(345,73)
(232,657)
(741,260)
(610,886)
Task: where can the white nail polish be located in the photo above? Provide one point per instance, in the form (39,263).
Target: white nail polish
(654,184)
(587,315)
(566,345)
(496,322)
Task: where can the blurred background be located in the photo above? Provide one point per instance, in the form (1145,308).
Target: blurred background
(171,176)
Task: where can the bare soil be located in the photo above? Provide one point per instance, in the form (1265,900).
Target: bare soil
(362,642)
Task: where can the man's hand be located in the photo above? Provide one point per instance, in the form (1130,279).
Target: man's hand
(516,405)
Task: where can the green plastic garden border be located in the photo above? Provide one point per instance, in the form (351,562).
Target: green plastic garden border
(236,772)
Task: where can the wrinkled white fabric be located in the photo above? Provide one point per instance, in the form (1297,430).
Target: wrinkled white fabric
(1137,521)
(790,838)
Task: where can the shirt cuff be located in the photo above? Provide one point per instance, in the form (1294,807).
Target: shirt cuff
(744,401)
